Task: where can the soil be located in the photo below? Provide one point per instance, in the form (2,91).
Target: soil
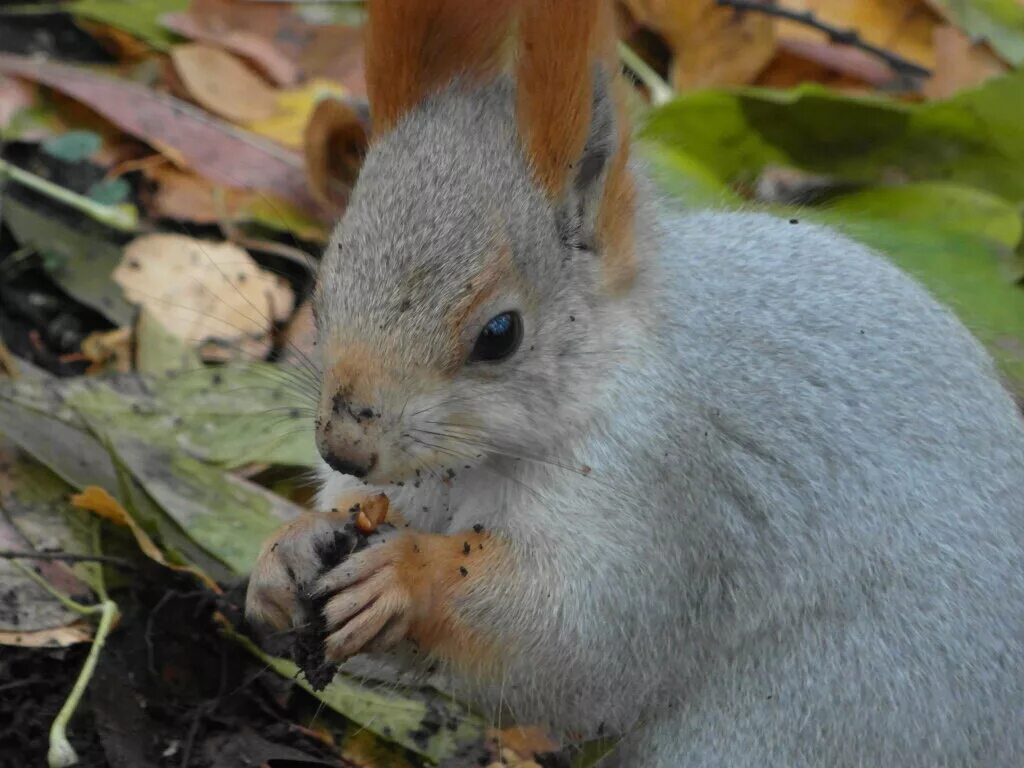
(308,645)
(169,690)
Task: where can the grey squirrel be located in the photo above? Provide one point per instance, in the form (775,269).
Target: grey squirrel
(730,488)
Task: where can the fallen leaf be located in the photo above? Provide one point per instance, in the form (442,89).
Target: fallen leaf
(960,63)
(293,111)
(711,45)
(258,50)
(109,350)
(202,290)
(15,96)
(159,352)
(189,197)
(218,150)
(222,83)
(85,258)
(54,637)
(335,140)
(975,138)
(36,517)
(409,720)
(137,17)
(331,51)
(841,59)
(96,500)
(35,416)
(1000,22)
(903,27)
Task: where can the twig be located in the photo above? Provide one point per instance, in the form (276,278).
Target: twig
(848,37)
(68,557)
(124,219)
(660,91)
(61,753)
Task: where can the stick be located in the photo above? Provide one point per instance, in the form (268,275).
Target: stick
(67,557)
(848,37)
(124,219)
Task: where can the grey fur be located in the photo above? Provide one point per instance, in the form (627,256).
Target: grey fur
(799,542)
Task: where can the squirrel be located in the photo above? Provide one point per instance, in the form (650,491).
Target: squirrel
(732,489)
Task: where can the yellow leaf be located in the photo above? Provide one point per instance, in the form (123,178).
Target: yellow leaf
(96,500)
(901,26)
(711,45)
(287,124)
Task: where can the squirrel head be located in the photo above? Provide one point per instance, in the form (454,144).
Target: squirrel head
(463,302)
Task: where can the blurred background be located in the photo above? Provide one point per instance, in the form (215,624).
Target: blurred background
(169,172)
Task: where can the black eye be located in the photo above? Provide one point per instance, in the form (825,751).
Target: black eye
(499,339)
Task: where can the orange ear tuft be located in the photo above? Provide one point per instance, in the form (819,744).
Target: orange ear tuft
(414,47)
(560,41)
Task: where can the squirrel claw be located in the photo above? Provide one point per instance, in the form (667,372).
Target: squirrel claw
(370,603)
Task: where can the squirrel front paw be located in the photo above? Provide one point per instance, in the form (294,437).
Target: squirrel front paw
(404,587)
(298,553)
(374,596)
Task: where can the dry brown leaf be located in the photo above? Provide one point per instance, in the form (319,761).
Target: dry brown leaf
(328,50)
(960,63)
(123,45)
(903,27)
(223,83)
(836,60)
(711,45)
(201,291)
(15,96)
(335,142)
(56,637)
(259,51)
(188,197)
(96,500)
(518,745)
(109,350)
(191,137)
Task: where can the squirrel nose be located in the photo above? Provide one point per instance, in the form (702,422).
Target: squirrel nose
(349,463)
(345,437)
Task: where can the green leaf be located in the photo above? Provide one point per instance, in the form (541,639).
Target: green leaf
(241,414)
(1000,22)
(975,138)
(33,415)
(684,177)
(81,262)
(110,191)
(957,242)
(73,146)
(140,18)
(159,352)
(409,719)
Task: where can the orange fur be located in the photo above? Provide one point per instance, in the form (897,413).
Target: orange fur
(554,81)
(616,217)
(440,572)
(357,374)
(414,47)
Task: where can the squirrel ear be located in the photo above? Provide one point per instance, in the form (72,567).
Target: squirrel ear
(580,203)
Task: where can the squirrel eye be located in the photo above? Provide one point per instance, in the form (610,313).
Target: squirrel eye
(499,338)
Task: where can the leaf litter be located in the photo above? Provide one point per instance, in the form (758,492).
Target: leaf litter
(167,383)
